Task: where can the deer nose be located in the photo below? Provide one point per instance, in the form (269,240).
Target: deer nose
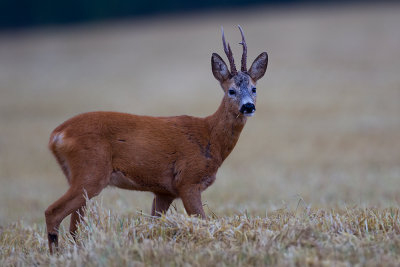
(248,108)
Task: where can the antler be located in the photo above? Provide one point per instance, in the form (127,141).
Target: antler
(244,55)
(229,54)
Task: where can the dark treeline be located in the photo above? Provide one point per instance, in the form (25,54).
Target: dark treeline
(29,13)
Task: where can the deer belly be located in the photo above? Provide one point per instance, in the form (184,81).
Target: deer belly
(125,181)
(119,179)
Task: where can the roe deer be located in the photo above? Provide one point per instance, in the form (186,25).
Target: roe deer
(173,157)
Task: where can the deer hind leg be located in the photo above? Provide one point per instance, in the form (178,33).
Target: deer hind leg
(72,200)
(90,174)
(75,220)
(161,204)
(56,212)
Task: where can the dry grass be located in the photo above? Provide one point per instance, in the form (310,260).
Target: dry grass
(326,135)
(305,236)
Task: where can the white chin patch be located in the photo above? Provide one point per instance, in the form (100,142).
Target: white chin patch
(249,114)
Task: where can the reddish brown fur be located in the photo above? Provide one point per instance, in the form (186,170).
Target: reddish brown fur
(173,157)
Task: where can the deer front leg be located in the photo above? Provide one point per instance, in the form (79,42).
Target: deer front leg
(161,204)
(191,198)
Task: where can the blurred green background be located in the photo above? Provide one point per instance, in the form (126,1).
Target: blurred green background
(28,13)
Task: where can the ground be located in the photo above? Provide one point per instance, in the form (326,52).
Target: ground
(314,178)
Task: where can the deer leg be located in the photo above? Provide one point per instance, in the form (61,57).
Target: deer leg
(72,200)
(191,198)
(60,209)
(161,204)
(90,173)
(75,220)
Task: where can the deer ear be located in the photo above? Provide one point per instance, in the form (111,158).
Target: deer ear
(219,68)
(259,66)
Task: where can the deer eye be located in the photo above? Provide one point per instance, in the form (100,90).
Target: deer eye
(231,92)
(254,90)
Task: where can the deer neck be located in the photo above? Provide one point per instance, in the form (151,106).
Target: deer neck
(226,124)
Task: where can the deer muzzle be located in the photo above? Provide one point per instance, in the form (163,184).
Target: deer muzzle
(248,109)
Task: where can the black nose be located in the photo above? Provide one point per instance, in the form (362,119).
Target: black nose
(248,108)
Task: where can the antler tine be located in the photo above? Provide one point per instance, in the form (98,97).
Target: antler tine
(244,55)
(228,53)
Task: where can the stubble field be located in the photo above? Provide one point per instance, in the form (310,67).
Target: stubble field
(314,178)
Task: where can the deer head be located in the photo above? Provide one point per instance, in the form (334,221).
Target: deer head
(239,86)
